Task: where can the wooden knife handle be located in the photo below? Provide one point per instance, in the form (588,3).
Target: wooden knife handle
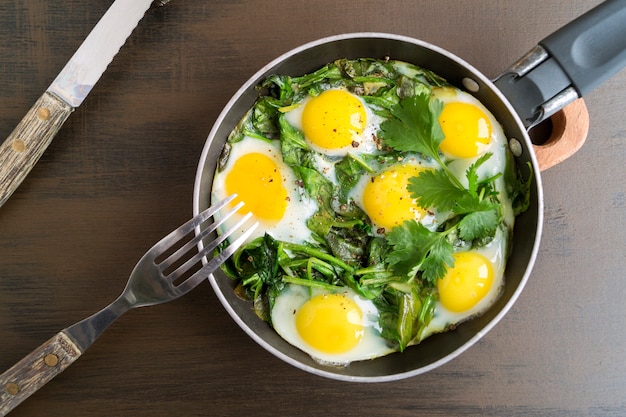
(28,141)
(35,370)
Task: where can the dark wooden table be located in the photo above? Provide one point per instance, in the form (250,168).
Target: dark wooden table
(120,175)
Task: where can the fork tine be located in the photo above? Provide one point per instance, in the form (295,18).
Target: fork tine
(216,242)
(166,263)
(208,249)
(190,225)
(200,275)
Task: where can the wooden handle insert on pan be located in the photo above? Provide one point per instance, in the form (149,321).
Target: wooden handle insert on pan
(570,127)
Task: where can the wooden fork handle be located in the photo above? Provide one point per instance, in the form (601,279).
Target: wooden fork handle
(28,141)
(35,370)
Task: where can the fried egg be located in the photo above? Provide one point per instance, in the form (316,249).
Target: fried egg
(471,286)
(336,122)
(333,327)
(467,125)
(385,198)
(256,173)
(476,132)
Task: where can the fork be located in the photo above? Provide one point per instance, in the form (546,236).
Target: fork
(171,268)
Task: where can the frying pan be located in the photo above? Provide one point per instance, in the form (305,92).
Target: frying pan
(558,71)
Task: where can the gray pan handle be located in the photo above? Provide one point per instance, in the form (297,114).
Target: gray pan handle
(591,48)
(568,64)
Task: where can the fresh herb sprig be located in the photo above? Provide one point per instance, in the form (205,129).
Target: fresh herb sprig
(476,210)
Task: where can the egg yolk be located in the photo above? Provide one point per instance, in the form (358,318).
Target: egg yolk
(386,199)
(466,283)
(257,181)
(330,323)
(466,128)
(331,119)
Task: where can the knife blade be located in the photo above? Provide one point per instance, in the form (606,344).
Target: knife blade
(30,138)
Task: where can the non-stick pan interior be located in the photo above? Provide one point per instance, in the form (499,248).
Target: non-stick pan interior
(437,349)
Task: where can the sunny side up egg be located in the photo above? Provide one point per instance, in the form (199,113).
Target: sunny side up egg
(470,131)
(470,287)
(384,196)
(336,122)
(337,326)
(256,173)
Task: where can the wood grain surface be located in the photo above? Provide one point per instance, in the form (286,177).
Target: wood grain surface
(119,176)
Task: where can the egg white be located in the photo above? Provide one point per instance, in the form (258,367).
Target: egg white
(292,227)
(293,297)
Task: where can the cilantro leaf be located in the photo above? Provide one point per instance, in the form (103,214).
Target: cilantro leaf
(433,188)
(410,243)
(415,126)
(438,260)
(415,248)
(472,173)
(479,224)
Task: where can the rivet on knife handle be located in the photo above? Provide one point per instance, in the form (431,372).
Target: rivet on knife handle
(34,370)
(23,148)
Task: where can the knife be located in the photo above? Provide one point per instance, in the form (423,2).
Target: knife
(30,138)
